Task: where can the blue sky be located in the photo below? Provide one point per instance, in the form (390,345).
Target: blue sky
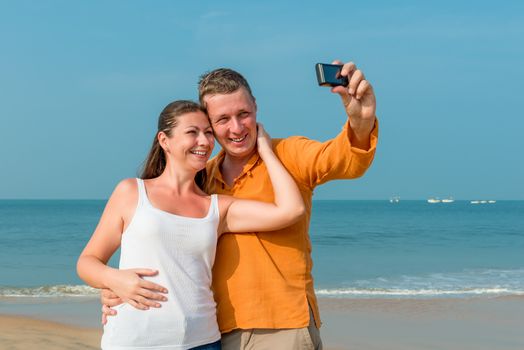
(82,83)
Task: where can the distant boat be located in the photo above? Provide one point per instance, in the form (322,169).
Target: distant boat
(483,201)
(448,200)
(394,199)
(434,200)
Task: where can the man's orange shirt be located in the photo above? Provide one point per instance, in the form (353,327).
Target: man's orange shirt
(263,279)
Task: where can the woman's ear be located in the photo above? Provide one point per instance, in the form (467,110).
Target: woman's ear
(162,141)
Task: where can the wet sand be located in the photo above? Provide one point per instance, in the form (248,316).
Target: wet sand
(372,324)
(376,324)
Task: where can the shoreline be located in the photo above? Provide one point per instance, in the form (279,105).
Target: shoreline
(372,324)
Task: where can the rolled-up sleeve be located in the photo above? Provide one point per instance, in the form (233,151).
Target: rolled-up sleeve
(312,163)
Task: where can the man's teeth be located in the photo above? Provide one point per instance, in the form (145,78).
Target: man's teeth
(239,139)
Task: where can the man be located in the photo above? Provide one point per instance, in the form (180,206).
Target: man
(262,282)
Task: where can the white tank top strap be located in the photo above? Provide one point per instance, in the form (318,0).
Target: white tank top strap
(214,206)
(142,195)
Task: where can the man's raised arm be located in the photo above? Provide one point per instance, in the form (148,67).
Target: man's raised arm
(351,152)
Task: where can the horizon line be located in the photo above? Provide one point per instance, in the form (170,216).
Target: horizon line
(314,199)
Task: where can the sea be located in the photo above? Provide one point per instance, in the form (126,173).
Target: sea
(360,249)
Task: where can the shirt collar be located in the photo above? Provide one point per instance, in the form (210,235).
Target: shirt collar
(214,170)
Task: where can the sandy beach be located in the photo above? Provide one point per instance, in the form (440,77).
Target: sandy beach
(27,333)
(409,324)
(372,324)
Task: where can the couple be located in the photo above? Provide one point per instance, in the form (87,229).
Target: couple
(262,281)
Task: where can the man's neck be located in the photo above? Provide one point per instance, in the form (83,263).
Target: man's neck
(232,167)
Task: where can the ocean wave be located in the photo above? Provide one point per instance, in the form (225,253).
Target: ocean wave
(469,282)
(62,290)
(86,291)
(398,293)
(466,283)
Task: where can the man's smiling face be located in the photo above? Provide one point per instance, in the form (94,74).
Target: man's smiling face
(234,120)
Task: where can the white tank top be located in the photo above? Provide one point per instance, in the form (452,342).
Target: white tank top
(182,249)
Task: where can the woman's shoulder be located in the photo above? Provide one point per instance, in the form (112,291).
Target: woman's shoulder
(224,199)
(224,202)
(123,199)
(126,189)
(127,185)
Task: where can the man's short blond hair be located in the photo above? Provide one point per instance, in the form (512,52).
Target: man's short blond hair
(221,81)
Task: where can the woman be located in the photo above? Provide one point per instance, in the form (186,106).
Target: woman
(166,222)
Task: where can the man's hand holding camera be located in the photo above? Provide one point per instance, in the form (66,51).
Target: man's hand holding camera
(359,102)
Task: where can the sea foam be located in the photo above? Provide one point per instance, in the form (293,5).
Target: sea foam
(407,293)
(466,283)
(62,290)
